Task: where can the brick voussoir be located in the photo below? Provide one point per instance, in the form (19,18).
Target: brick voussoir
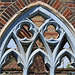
(10,9)
(7,11)
(66,11)
(13,8)
(55,4)
(21,2)
(58,6)
(5,3)
(16,7)
(73,23)
(71,5)
(68,14)
(6,15)
(2,21)
(18,4)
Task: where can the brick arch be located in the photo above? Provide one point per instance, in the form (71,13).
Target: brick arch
(19,5)
(14,7)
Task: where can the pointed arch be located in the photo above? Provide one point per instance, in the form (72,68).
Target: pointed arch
(54,18)
(20,14)
(42,53)
(7,53)
(63,53)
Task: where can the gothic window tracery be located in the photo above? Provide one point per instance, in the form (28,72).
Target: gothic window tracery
(39,34)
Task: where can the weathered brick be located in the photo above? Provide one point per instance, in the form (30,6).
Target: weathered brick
(48,2)
(71,5)
(25,2)
(58,5)
(3,7)
(6,0)
(8,13)
(70,12)
(1,10)
(17,8)
(70,18)
(5,19)
(31,0)
(6,4)
(52,2)
(21,2)
(67,10)
(28,1)
(56,2)
(18,4)
(13,8)
(1,3)
(10,10)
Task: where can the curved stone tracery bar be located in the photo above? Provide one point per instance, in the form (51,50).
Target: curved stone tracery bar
(26,58)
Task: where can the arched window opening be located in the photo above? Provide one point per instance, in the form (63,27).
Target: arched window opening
(40,40)
(12,44)
(65,67)
(10,65)
(65,64)
(65,45)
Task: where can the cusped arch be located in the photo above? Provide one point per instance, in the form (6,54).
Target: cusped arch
(62,53)
(55,17)
(36,52)
(43,54)
(38,3)
(7,53)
